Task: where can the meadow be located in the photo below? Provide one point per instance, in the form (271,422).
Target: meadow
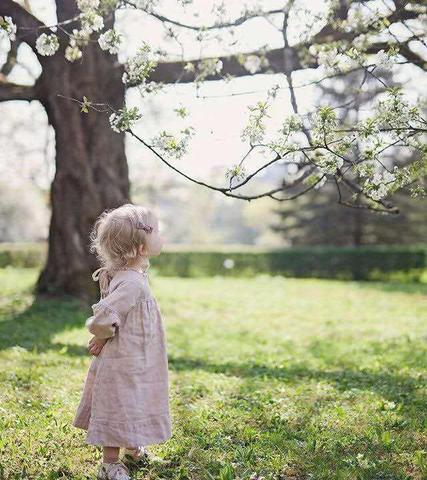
(270,378)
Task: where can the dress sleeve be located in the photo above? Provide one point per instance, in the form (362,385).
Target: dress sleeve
(111,311)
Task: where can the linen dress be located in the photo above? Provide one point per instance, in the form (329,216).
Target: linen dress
(125,399)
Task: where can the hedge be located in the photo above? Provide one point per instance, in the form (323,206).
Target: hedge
(408,263)
(362,263)
(22,254)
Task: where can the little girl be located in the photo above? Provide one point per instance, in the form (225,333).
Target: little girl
(125,400)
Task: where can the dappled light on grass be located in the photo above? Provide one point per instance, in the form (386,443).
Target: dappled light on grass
(282,378)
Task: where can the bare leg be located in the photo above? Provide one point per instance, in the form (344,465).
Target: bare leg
(111,454)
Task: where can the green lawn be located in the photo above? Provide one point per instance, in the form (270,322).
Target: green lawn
(271,378)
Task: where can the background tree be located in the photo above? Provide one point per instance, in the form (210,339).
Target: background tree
(317,219)
(80,72)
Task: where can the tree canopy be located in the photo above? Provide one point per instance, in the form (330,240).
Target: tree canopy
(360,157)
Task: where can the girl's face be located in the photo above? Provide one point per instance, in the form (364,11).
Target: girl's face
(155,240)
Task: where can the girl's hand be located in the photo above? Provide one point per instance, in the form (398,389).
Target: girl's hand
(95,345)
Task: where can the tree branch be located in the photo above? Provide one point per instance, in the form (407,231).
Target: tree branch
(172,72)
(234,23)
(277,62)
(13,91)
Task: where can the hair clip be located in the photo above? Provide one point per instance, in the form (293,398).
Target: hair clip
(144,226)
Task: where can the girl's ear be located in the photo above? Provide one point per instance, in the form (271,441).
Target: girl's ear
(141,249)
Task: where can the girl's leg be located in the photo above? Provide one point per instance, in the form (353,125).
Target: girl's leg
(111,454)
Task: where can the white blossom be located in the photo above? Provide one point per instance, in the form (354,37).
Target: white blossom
(255,129)
(218,66)
(47,45)
(123,119)
(252,63)
(394,111)
(7,28)
(189,67)
(91,21)
(172,146)
(110,40)
(79,38)
(85,5)
(208,66)
(334,61)
(358,19)
(344,63)
(138,67)
(73,53)
(327,58)
(379,185)
(383,59)
(254,133)
(292,123)
(325,122)
(379,192)
(361,42)
(364,169)
(329,163)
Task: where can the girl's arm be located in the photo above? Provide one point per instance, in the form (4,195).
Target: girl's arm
(111,311)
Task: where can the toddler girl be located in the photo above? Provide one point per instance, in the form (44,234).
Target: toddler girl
(125,400)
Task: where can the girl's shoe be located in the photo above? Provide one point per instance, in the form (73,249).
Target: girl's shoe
(113,471)
(136,457)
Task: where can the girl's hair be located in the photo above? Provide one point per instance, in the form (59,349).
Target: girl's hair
(115,238)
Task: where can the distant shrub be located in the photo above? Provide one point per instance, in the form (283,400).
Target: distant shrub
(394,263)
(22,254)
(362,263)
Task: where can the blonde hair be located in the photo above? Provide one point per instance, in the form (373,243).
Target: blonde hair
(116,237)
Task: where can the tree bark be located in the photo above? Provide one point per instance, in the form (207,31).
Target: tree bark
(91,168)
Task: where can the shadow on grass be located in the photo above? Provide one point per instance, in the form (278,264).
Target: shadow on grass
(392,386)
(35,327)
(299,438)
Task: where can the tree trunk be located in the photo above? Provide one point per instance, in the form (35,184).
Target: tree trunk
(91,168)
(358,219)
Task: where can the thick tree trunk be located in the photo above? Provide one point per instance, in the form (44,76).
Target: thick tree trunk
(91,168)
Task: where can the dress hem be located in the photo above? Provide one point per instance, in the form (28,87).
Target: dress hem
(135,442)
(117,436)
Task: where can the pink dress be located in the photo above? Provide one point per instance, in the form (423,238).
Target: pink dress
(125,400)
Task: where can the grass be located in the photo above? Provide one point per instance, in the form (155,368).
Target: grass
(271,378)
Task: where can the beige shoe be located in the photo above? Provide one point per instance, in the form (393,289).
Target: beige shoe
(113,471)
(136,456)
